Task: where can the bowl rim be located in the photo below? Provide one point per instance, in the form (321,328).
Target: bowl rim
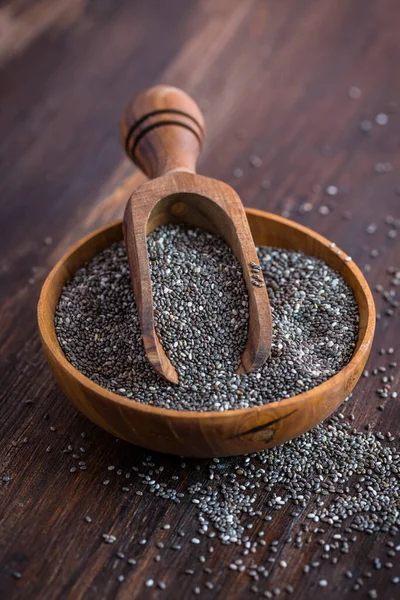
(46,324)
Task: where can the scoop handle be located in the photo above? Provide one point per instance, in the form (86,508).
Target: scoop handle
(162,130)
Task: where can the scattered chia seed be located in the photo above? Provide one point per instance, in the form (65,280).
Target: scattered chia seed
(201,314)
(372,227)
(383,167)
(366,126)
(238,172)
(306,207)
(255,161)
(356,474)
(109,539)
(349,574)
(332,190)
(354,92)
(382,119)
(324,210)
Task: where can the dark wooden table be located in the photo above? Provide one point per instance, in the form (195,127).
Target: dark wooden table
(273,78)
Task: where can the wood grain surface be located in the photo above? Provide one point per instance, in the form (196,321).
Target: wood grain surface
(273,79)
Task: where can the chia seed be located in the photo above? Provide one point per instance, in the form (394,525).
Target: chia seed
(201,315)
(381,119)
(354,92)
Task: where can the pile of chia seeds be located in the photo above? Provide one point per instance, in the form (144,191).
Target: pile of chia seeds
(201,314)
(344,474)
(334,484)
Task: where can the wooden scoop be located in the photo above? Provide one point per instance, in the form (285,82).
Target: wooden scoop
(162,131)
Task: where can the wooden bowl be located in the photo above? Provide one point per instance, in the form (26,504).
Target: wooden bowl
(208,434)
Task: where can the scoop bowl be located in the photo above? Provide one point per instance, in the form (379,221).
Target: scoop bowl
(209,434)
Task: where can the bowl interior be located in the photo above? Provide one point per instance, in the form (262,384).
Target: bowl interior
(266,228)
